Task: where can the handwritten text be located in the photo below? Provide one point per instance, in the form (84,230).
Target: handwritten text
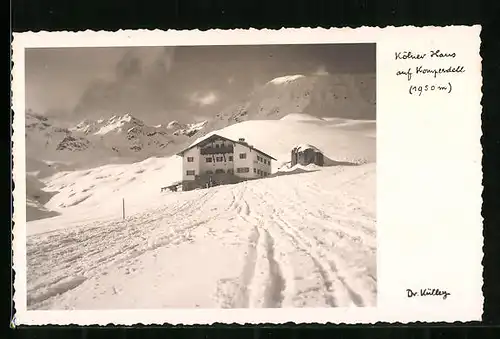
(428,292)
(425,70)
(419,56)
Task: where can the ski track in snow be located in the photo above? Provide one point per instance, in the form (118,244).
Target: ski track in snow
(290,241)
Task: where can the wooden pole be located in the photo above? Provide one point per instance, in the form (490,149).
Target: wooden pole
(123,208)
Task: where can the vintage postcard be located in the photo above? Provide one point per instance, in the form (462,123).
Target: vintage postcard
(247,176)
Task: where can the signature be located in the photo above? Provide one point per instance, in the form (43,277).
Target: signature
(425,292)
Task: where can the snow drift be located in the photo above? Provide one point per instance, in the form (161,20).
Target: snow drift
(301,117)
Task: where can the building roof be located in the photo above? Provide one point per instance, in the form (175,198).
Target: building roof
(216,136)
(303,147)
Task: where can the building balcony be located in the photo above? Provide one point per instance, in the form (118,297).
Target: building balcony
(217,150)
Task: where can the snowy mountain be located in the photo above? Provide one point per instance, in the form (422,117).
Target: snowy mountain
(127,135)
(348,96)
(187,129)
(127,139)
(95,142)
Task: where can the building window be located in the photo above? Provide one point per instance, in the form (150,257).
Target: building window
(190,159)
(217,146)
(219,159)
(208,159)
(243,170)
(255,170)
(230,158)
(243,155)
(190,172)
(219,170)
(209,172)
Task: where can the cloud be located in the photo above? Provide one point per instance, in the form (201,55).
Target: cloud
(321,71)
(204,99)
(199,117)
(128,66)
(135,61)
(168,58)
(155,82)
(140,83)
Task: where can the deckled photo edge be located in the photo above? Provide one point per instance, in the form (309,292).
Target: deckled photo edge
(304,35)
(18,169)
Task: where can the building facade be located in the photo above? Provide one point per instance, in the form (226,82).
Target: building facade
(218,160)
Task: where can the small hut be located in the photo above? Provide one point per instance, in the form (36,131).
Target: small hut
(305,155)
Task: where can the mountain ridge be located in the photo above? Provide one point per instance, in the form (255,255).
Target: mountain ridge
(348,96)
(95,142)
(126,138)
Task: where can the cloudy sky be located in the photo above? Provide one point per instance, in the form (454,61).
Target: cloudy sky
(172,82)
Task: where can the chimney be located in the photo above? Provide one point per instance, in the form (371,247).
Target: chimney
(241,139)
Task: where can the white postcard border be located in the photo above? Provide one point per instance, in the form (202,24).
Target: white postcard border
(428,235)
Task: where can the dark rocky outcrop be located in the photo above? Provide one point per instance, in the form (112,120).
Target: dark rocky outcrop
(305,155)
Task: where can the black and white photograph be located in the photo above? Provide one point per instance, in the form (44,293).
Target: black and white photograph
(302,176)
(236,176)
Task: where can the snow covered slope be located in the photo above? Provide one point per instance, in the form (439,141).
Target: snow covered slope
(54,146)
(36,198)
(98,192)
(302,240)
(301,117)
